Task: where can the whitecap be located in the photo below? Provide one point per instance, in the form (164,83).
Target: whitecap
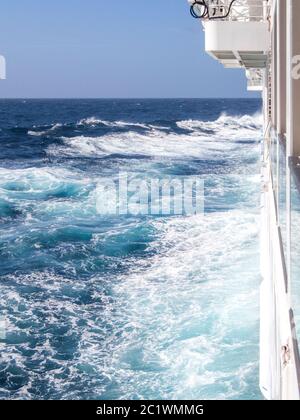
(224,132)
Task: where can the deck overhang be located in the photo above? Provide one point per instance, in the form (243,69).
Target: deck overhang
(238,44)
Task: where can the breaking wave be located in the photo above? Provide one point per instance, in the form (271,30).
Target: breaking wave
(44,132)
(203,141)
(249,124)
(95,121)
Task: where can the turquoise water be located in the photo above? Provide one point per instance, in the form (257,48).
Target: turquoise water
(142,307)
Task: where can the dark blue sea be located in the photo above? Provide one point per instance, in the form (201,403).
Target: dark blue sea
(100,306)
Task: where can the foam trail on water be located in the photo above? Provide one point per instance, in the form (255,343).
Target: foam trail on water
(179,316)
(106,307)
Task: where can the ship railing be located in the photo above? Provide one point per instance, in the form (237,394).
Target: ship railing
(288,209)
(236,10)
(255,79)
(283,269)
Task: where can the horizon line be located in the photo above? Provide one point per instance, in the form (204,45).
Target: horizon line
(126,98)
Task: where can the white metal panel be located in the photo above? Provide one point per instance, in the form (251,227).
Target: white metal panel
(236,36)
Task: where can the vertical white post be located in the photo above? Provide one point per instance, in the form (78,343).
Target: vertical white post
(293,81)
(274,70)
(281,66)
(289,130)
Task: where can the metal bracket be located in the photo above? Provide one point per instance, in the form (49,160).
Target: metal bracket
(285,355)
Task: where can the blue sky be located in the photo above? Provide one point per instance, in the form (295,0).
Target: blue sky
(103,48)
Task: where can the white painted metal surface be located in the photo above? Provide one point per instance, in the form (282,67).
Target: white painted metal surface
(240,44)
(278,364)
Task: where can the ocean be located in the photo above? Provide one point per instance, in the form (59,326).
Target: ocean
(128,306)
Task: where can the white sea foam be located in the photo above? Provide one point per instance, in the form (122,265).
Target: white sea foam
(181,323)
(245,126)
(36,179)
(44,132)
(184,315)
(129,143)
(93,121)
(153,144)
(207,139)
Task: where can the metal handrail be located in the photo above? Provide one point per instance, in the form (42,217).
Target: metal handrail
(234,10)
(255,77)
(247,10)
